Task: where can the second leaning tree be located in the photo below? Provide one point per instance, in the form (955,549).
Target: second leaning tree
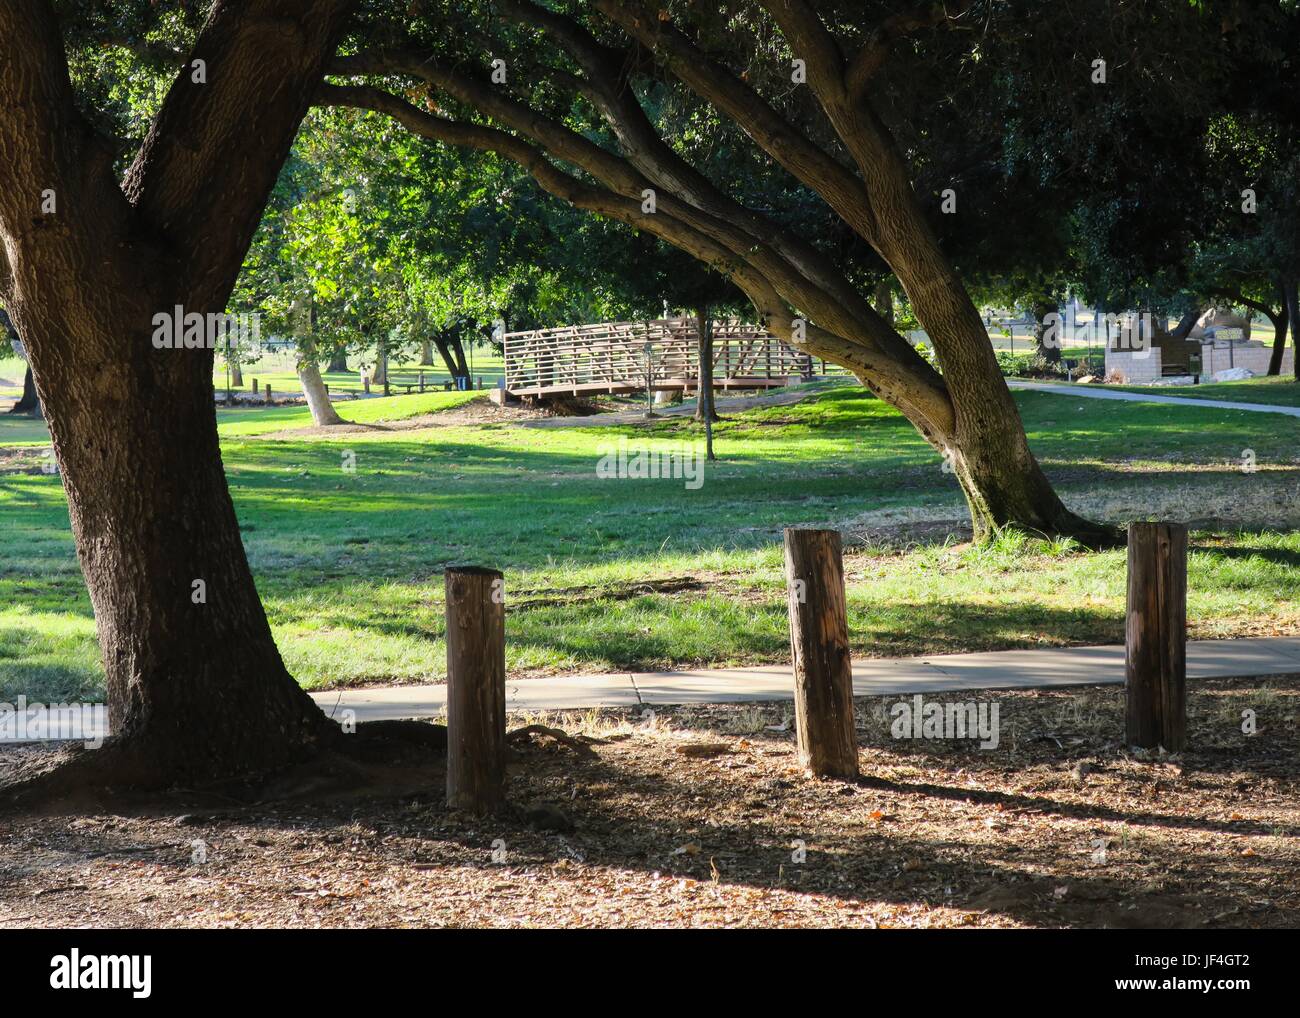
(614,62)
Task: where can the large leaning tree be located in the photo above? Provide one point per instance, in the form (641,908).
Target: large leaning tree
(569,90)
(196,686)
(101,232)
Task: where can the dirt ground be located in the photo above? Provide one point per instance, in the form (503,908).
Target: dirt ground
(700,816)
(479,411)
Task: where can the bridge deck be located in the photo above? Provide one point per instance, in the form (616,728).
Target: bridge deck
(660,385)
(661,355)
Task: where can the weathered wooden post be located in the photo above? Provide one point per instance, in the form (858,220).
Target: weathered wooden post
(422,381)
(819,644)
(268,394)
(255,389)
(365,383)
(1155,658)
(476,688)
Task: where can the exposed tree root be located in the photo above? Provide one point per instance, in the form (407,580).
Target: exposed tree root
(387,758)
(1089,534)
(579,744)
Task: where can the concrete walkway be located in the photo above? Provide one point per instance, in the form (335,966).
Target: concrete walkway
(1009,669)
(941,673)
(1097,392)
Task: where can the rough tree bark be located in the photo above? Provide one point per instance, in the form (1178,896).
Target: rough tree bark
(196,687)
(338,361)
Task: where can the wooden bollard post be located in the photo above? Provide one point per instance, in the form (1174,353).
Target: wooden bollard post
(819,644)
(268,394)
(365,382)
(1155,648)
(255,389)
(476,688)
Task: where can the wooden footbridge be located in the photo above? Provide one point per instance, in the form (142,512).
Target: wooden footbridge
(661,355)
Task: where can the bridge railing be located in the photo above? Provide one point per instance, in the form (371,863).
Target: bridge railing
(614,353)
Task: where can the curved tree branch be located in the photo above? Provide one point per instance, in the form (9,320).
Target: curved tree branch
(790,147)
(925,399)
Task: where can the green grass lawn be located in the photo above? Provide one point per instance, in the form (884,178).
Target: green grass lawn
(609,574)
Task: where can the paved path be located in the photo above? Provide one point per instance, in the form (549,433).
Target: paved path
(737,404)
(1097,392)
(1009,669)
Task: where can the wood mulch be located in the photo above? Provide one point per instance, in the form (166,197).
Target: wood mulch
(700,816)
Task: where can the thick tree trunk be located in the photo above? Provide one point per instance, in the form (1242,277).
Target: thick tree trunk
(338,362)
(462,365)
(986,445)
(1048,348)
(426,353)
(318,400)
(236,376)
(193,675)
(196,687)
(990,455)
(28,402)
(1281,322)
